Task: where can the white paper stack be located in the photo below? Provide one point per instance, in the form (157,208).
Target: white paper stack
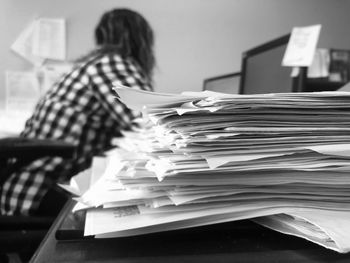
(209,158)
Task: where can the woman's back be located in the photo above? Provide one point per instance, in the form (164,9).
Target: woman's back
(83,109)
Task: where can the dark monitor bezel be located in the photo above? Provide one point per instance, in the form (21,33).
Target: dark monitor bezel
(283,40)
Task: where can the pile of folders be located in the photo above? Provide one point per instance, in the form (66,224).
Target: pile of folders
(203,158)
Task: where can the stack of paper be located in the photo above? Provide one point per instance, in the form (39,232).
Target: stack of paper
(209,158)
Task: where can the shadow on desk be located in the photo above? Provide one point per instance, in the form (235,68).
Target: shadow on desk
(240,241)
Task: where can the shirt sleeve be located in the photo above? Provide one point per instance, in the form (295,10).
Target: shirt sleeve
(105,74)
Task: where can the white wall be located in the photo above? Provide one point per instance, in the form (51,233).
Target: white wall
(195,39)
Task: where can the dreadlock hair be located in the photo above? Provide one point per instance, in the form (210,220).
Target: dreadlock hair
(128,33)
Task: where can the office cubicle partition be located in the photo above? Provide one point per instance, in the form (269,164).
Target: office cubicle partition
(228,83)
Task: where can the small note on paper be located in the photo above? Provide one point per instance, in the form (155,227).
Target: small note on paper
(301,46)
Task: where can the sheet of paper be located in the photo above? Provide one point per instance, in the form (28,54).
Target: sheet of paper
(320,64)
(100,221)
(332,149)
(79,183)
(49,38)
(324,227)
(131,218)
(137,98)
(206,220)
(301,46)
(216,161)
(23,45)
(22,91)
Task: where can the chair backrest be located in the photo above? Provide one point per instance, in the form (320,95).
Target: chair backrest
(21,235)
(16,152)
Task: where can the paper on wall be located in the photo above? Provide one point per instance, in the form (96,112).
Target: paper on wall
(301,46)
(22,91)
(23,45)
(43,38)
(49,38)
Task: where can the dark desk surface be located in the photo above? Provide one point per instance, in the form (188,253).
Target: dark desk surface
(241,241)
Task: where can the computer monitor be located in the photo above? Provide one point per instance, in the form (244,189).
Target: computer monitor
(262,70)
(228,83)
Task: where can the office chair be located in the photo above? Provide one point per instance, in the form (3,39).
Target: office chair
(21,235)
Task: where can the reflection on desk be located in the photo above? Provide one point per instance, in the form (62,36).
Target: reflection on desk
(240,241)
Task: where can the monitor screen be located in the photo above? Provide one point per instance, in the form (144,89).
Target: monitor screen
(262,70)
(225,83)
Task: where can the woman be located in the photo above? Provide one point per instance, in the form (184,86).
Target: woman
(82,108)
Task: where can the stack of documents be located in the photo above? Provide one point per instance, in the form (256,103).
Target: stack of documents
(206,158)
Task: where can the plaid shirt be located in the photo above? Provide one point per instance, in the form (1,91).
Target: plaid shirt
(81,109)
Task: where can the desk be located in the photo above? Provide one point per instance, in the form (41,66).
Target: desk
(241,241)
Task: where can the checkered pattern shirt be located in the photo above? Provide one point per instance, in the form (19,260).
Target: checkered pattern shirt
(82,109)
